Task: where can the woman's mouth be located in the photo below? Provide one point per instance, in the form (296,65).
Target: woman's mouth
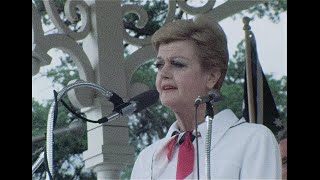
(168,87)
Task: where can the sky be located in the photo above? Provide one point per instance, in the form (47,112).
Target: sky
(271,41)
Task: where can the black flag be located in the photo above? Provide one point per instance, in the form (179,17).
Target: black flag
(266,112)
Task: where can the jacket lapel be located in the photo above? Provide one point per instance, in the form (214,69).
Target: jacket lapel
(222,121)
(159,159)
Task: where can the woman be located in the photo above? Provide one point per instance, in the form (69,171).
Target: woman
(192,60)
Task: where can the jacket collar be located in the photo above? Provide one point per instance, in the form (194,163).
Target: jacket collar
(222,121)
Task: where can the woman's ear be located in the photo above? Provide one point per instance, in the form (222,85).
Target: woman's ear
(212,78)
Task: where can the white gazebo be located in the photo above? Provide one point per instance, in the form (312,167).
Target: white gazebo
(101,60)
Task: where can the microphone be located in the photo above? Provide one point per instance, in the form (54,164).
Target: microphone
(115,99)
(213,96)
(134,105)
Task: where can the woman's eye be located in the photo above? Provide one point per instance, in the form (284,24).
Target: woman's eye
(177,64)
(158,65)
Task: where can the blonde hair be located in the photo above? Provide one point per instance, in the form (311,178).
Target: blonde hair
(207,34)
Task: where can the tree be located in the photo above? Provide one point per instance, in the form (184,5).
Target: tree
(270,9)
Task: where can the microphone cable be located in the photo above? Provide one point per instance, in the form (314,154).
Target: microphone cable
(134,105)
(47,156)
(101,120)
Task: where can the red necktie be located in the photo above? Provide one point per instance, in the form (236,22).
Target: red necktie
(185,156)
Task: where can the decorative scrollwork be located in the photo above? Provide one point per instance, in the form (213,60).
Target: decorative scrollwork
(39,57)
(70,9)
(134,61)
(143,19)
(66,41)
(171,11)
(196,10)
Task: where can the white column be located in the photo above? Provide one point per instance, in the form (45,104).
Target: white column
(108,149)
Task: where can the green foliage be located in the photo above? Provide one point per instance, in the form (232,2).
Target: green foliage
(232,98)
(149,125)
(236,66)
(68,148)
(270,9)
(39,116)
(145,74)
(64,72)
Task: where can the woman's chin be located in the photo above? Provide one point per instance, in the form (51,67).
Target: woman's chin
(169,103)
(173,104)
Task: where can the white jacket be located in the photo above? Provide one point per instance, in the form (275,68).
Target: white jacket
(239,150)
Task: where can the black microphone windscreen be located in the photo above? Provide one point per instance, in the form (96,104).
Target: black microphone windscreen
(145,99)
(214,95)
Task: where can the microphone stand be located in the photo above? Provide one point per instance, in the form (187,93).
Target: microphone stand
(197,144)
(47,156)
(214,96)
(209,117)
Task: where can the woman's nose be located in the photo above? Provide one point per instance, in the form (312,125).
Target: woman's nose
(165,72)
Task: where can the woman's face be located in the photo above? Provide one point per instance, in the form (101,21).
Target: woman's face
(180,79)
